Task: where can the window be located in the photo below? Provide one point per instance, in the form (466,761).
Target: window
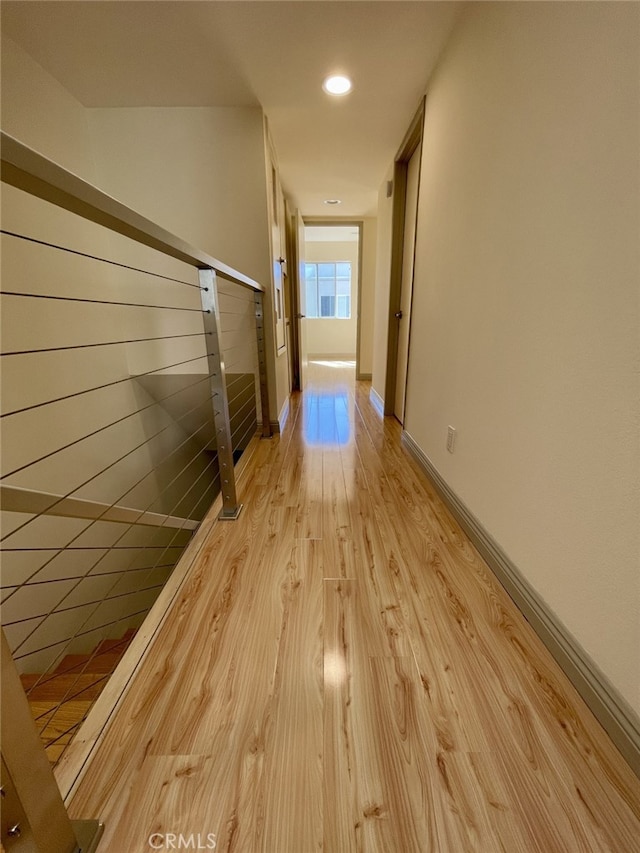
(328,290)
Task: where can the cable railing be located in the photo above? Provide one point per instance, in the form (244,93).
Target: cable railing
(133,379)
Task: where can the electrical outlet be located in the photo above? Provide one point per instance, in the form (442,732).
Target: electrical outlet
(451,438)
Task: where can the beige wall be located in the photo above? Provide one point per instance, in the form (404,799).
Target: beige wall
(197,171)
(201,173)
(525,332)
(41,113)
(327,337)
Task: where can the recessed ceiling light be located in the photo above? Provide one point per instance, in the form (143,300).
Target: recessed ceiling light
(337,85)
(332,201)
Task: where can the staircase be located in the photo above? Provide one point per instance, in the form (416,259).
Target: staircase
(60,700)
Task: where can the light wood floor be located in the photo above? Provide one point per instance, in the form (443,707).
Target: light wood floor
(343,673)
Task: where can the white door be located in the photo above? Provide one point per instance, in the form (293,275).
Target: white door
(411,205)
(300,318)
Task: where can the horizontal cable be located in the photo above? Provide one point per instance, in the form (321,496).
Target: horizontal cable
(84,604)
(53,742)
(81,634)
(207,489)
(234,369)
(250,430)
(97,258)
(105,427)
(98,679)
(50,675)
(103,344)
(242,392)
(24,295)
(249,346)
(17,499)
(87,577)
(95,651)
(48,716)
(250,401)
(249,325)
(241,373)
(51,182)
(45,677)
(101,387)
(248,298)
(17,586)
(119,539)
(113,464)
(238,377)
(86,548)
(66,697)
(230,368)
(159,558)
(78,633)
(241,425)
(215,480)
(243,345)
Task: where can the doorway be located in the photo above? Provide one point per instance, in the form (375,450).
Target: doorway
(330,291)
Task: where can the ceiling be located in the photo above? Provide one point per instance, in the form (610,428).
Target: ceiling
(272,53)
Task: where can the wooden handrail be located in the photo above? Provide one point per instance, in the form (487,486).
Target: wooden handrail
(26,169)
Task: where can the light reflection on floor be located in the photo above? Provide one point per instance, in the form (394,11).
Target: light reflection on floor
(325,409)
(335,364)
(326,418)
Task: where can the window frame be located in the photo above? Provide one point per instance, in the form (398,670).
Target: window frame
(335,296)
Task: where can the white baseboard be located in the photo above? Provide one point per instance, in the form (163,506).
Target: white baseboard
(278,426)
(612,711)
(376,401)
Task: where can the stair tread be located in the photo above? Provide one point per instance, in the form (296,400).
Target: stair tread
(105,662)
(56,687)
(53,722)
(119,645)
(76,682)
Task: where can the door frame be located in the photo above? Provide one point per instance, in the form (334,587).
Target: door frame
(353,223)
(292,298)
(411,143)
(293,220)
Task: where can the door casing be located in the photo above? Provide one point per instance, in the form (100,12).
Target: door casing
(410,144)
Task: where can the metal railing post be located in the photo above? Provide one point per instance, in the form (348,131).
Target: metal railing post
(210,305)
(33,814)
(258,300)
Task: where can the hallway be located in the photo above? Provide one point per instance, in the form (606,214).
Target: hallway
(342,672)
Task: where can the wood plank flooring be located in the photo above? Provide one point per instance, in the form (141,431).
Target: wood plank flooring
(343,673)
